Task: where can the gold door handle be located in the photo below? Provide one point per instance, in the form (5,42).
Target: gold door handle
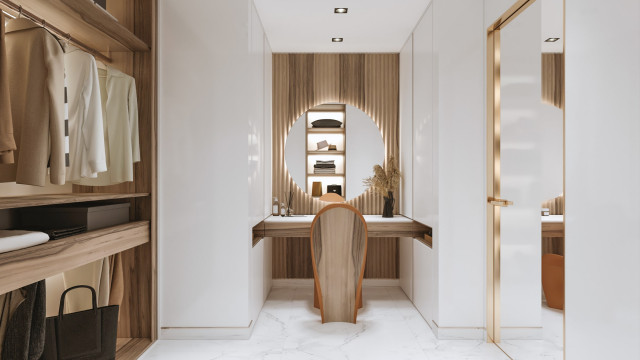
(499,202)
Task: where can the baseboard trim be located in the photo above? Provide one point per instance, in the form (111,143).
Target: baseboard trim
(207,333)
(457,333)
(521,333)
(289,283)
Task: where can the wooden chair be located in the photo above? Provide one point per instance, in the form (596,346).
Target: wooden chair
(332,197)
(338,254)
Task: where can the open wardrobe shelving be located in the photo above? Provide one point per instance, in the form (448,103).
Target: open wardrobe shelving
(123,37)
(335,136)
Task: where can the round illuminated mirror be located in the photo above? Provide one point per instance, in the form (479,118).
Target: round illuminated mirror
(332,148)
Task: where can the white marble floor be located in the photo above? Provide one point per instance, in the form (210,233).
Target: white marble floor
(551,345)
(289,328)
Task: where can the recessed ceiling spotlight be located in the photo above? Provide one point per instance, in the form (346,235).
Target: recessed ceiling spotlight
(337,39)
(552,39)
(341,10)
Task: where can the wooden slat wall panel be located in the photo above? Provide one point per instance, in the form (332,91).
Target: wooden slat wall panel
(292,258)
(302,81)
(555,205)
(553,79)
(326,76)
(382,258)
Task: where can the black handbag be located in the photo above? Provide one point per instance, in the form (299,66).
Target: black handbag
(84,335)
(336,189)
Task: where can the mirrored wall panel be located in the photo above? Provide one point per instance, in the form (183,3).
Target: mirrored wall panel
(332,148)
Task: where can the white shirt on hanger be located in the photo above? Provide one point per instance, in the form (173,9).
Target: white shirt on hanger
(86,134)
(120,113)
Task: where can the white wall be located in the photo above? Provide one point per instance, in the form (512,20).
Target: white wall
(448,165)
(424,172)
(459,100)
(210,122)
(602,298)
(259,163)
(406,128)
(406,163)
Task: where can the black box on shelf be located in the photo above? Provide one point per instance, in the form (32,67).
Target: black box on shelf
(92,216)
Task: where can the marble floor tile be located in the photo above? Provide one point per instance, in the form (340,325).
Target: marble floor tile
(551,345)
(289,328)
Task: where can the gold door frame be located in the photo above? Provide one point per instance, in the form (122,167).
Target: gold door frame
(494,203)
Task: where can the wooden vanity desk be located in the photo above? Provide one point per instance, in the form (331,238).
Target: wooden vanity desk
(552,234)
(299,226)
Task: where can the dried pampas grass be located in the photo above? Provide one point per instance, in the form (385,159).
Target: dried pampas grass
(384,180)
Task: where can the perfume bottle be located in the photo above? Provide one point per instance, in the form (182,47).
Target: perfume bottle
(283,209)
(275,208)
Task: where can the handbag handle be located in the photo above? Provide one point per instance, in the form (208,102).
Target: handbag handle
(93,297)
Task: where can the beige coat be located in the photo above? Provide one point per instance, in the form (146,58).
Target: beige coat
(7,142)
(36,82)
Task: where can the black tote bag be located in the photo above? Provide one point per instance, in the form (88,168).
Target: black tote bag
(83,335)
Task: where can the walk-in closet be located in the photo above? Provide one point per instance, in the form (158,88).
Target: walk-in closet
(91,217)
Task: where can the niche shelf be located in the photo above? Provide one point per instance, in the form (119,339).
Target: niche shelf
(333,111)
(325,152)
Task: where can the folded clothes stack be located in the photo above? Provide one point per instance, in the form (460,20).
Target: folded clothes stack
(324,167)
(19,239)
(56,234)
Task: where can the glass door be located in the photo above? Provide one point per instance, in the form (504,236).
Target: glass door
(525,158)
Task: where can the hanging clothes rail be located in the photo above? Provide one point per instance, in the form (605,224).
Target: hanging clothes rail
(61,34)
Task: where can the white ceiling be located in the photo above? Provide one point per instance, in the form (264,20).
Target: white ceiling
(309,25)
(552,25)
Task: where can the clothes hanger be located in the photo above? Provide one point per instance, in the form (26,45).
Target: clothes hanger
(101,65)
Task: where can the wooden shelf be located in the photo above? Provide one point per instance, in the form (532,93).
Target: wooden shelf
(86,22)
(325,152)
(131,348)
(14,202)
(325,175)
(325,130)
(25,266)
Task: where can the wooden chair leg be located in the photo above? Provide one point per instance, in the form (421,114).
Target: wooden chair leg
(316,302)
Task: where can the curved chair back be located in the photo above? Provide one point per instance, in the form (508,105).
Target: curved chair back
(338,254)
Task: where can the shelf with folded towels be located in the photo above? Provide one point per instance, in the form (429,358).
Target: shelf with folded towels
(25,266)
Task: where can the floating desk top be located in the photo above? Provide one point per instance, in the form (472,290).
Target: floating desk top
(300,226)
(552,226)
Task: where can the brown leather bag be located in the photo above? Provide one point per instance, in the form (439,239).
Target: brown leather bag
(84,335)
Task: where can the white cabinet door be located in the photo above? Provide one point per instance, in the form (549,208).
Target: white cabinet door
(406,266)
(423,286)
